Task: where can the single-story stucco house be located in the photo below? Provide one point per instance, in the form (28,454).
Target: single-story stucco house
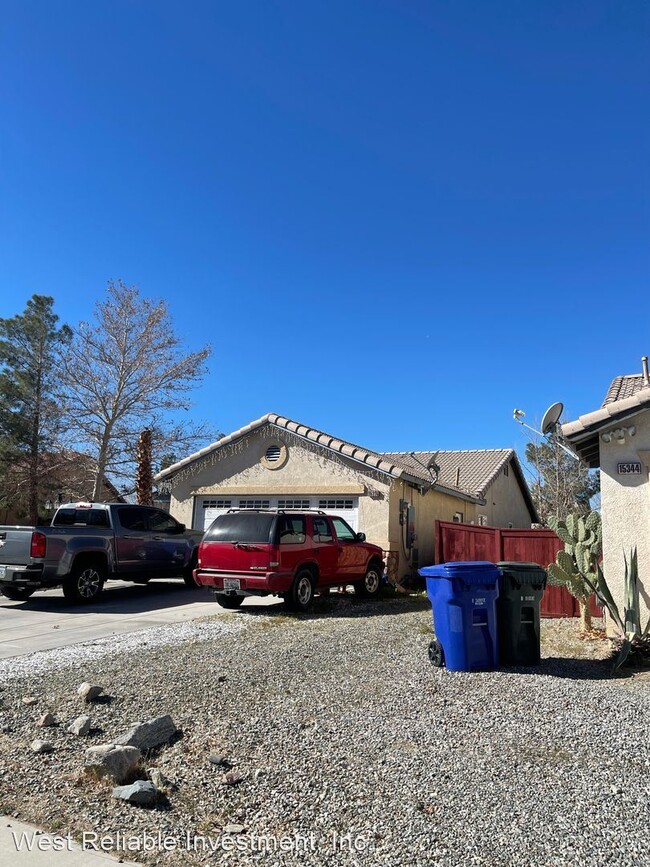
(616,438)
(393,497)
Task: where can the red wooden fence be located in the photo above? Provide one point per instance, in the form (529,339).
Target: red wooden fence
(469,542)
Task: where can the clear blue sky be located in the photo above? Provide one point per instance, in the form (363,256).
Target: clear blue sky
(393,220)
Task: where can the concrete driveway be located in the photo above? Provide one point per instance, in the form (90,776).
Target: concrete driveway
(46,621)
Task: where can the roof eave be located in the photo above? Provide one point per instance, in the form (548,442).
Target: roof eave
(585,438)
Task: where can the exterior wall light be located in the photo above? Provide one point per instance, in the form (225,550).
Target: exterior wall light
(619,434)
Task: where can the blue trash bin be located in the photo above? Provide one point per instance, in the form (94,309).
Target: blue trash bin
(463,598)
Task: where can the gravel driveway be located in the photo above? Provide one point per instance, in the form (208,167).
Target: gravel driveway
(354,750)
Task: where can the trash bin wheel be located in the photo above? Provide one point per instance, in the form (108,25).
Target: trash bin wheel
(436,655)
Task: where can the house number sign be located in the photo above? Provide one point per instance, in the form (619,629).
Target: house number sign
(633,469)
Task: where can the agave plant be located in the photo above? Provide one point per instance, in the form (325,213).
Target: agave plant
(577,568)
(631,625)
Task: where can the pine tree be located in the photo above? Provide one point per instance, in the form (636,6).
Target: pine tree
(31,345)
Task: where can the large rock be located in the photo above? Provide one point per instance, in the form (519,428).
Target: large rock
(89,692)
(80,726)
(142,792)
(111,760)
(147,735)
(46,720)
(39,746)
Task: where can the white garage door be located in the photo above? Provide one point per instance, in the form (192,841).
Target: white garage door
(208,508)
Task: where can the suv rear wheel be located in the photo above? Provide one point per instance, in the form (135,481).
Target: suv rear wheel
(371,584)
(230,602)
(301,595)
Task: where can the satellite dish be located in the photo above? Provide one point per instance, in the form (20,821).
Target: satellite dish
(551,417)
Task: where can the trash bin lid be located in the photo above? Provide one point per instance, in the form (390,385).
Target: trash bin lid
(527,573)
(472,572)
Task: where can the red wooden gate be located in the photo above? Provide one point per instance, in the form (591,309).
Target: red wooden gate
(469,542)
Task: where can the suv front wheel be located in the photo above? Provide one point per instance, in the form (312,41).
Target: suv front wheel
(371,583)
(301,594)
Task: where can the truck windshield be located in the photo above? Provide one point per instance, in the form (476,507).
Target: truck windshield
(81,517)
(250,528)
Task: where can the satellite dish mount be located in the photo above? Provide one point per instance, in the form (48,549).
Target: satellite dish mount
(550,425)
(551,418)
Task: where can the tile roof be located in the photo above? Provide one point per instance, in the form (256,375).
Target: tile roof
(464,473)
(625,386)
(357,453)
(471,470)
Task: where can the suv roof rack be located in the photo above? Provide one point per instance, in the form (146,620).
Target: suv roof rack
(279,511)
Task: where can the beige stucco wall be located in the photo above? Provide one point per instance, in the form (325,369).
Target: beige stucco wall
(429,507)
(307,470)
(625,506)
(505,503)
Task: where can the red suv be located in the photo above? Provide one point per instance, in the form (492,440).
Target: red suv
(291,554)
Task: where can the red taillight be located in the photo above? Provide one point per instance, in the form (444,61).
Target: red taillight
(38,545)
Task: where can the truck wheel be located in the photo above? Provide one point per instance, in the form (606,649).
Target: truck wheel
(85,582)
(18,594)
(188,574)
(301,594)
(371,584)
(230,602)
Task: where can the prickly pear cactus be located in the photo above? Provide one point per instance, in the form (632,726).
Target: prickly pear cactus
(576,568)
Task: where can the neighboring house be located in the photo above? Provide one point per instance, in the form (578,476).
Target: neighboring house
(64,476)
(616,438)
(278,463)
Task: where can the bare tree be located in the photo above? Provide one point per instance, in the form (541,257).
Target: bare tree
(560,484)
(126,371)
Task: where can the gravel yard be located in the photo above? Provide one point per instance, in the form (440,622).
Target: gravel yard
(352,747)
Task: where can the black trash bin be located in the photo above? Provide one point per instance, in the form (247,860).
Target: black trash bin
(521,587)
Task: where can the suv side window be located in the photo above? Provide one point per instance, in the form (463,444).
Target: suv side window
(322,531)
(161,522)
(132,519)
(291,530)
(344,532)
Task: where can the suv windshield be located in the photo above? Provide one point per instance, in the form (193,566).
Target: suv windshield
(248,527)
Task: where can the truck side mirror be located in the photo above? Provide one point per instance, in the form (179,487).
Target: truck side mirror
(360,537)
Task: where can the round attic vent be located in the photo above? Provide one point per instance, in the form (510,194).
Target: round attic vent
(272,454)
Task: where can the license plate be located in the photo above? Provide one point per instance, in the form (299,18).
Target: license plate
(3,571)
(231,584)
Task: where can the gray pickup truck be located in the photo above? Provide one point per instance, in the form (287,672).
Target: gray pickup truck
(86,543)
